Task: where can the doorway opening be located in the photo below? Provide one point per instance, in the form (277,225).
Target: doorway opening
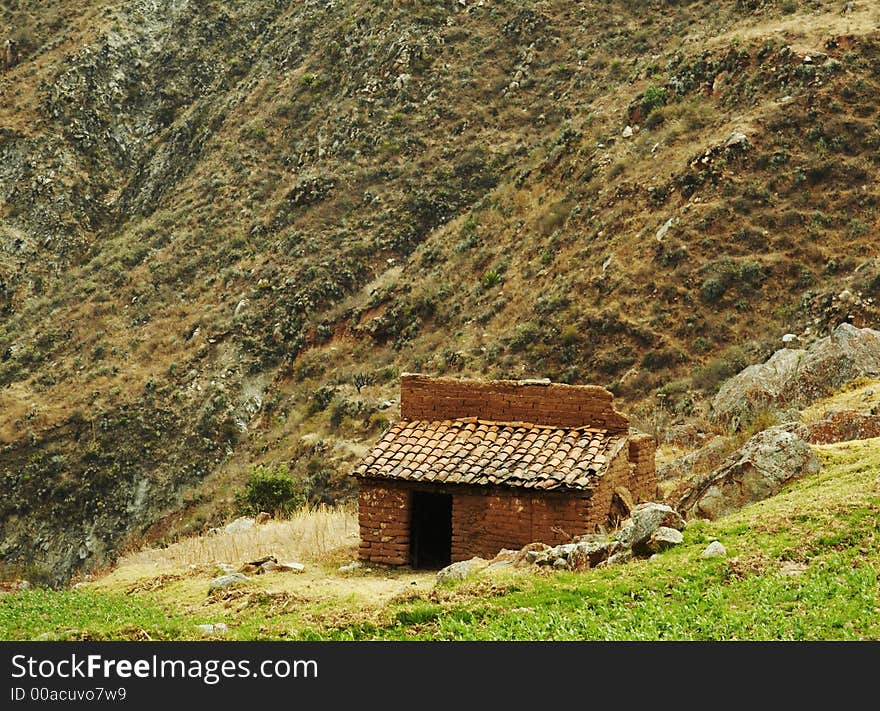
(430,533)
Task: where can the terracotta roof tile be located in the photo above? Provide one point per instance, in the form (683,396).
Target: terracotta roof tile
(471,451)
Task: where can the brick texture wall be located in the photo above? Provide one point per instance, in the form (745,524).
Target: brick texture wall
(383,516)
(642,453)
(423,398)
(487,519)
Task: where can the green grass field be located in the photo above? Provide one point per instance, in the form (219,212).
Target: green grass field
(801,566)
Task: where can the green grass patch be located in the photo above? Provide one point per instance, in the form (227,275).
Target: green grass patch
(82,615)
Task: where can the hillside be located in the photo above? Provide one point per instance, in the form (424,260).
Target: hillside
(225,228)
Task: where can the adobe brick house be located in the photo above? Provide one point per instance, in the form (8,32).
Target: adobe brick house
(473,467)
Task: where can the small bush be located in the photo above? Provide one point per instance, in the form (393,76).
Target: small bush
(272,490)
(490,279)
(712,290)
(653,98)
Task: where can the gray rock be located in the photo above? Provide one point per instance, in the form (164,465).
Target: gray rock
(536,557)
(226,581)
(737,139)
(699,462)
(663,538)
(354,565)
(664,228)
(239,525)
(561,563)
(624,556)
(714,550)
(216,628)
(797,377)
(757,471)
(648,517)
(624,534)
(596,551)
(289,566)
(461,570)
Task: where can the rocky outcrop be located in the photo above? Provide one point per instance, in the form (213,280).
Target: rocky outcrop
(841,426)
(757,471)
(793,378)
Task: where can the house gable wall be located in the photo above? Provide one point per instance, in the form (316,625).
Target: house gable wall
(424,398)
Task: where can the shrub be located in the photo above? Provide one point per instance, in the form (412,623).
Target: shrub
(320,399)
(712,290)
(272,490)
(653,98)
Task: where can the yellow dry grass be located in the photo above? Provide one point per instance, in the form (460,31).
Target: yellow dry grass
(862,395)
(320,535)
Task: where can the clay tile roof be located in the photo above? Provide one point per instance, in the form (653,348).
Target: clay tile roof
(513,454)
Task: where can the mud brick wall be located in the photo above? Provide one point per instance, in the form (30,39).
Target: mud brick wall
(618,473)
(486,520)
(423,398)
(383,517)
(642,453)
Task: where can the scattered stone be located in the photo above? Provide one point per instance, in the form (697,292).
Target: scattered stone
(216,628)
(461,570)
(624,534)
(289,567)
(239,525)
(528,555)
(354,565)
(756,471)
(736,139)
(789,338)
(226,581)
(664,228)
(714,550)
(225,568)
(648,517)
(663,538)
(627,132)
(262,518)
(624,556)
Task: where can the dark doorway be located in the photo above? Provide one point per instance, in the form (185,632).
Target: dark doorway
(430,533)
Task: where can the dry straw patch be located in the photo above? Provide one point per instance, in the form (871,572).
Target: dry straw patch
(320,535)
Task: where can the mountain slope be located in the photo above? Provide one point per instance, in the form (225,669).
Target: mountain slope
(214,216)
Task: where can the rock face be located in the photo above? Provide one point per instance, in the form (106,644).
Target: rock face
(842,426)
(756,471)
(700,461)
(796,377)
